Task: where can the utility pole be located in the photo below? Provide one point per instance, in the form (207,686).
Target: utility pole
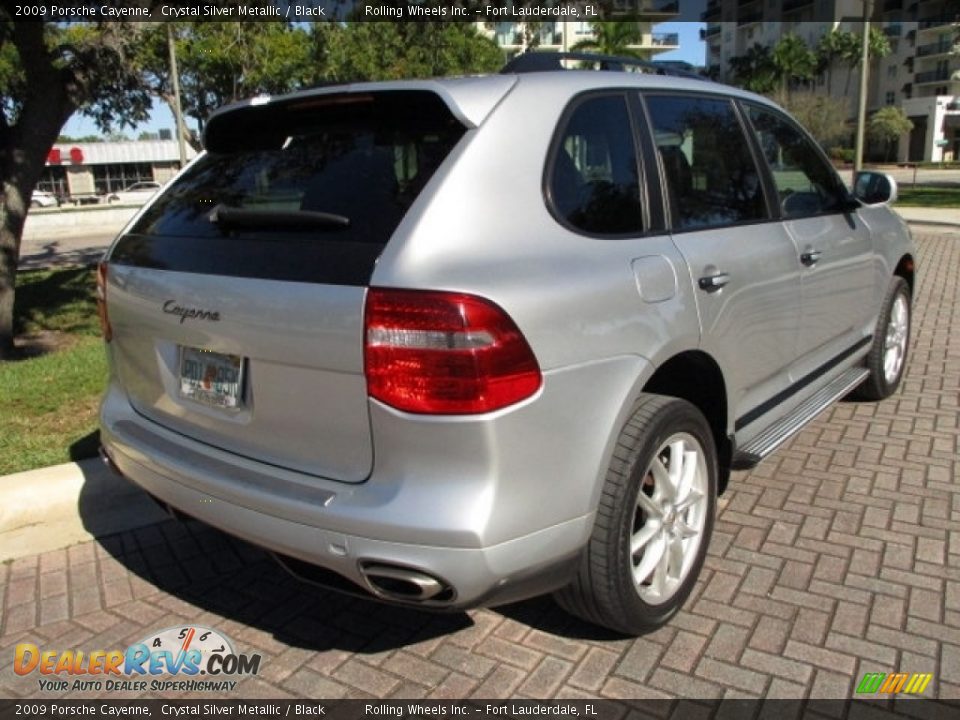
(862,96)
(175,81)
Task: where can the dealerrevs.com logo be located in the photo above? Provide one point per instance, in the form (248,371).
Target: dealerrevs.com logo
(202,658)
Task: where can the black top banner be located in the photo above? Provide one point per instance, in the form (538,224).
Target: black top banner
(355,11)
(716,14)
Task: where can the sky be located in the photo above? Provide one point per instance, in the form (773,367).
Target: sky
(691,50)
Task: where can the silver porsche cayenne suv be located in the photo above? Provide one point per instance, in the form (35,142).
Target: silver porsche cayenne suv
(459,342)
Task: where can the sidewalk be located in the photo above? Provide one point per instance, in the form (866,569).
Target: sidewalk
(930,216)
(55,507)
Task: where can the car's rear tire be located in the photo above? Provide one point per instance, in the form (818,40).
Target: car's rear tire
(653,522)
(887,358)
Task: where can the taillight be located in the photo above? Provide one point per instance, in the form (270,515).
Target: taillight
(444,353)
(105,328)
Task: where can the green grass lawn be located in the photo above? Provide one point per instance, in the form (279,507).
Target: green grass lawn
(926,196)
(48,403)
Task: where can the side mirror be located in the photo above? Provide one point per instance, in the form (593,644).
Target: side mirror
(873,188)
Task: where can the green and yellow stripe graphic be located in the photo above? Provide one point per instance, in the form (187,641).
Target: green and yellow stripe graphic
(884,683)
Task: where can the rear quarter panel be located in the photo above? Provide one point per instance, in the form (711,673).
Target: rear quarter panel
(482,226)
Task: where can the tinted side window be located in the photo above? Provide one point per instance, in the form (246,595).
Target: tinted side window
(710,174)
(593,183)
(805,182)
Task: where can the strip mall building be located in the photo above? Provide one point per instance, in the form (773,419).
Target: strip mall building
(86,170)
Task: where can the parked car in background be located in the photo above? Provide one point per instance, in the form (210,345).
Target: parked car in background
(137,193)
(459,342)
(42,198)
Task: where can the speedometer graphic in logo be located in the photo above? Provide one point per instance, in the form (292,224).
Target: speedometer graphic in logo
(187,648)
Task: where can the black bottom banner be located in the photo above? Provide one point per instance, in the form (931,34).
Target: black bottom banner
(922,709)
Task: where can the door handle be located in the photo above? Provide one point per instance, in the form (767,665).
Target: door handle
(712,283)
(810,257)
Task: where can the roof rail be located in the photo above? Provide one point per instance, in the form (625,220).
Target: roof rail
(550,61)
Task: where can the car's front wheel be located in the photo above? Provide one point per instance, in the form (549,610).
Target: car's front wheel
(654,520)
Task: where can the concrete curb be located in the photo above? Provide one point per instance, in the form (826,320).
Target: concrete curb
(54,507)
(933,223)
(97,219)
(938,217)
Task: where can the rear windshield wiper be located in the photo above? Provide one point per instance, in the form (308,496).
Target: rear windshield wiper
(231,217)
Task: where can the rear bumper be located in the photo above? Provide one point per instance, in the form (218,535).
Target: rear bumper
(494,575)
(522,567)
(498,508)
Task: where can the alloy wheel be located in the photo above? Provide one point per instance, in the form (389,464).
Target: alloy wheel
(895,341)
(669,518)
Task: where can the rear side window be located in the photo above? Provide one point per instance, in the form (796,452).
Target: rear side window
(593,183)
(310,189)
(805,182)
(709,171)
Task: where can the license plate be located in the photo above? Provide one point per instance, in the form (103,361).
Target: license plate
(211,378)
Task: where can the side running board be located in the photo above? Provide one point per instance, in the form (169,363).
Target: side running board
(785,428)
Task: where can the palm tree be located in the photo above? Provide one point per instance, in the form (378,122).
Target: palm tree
(612,38)
(878,46)
(849,54)
(794,62)
(754,70)
(829,50)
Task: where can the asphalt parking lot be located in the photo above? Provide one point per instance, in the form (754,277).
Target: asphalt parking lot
(838,556)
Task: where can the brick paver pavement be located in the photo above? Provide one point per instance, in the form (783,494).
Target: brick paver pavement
(839,555)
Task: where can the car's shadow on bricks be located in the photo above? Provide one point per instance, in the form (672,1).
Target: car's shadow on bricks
(225,577)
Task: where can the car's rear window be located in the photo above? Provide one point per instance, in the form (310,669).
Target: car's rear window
(320,181)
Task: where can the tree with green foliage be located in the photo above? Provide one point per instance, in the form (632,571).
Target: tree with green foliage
(388,51)
(793,61)
(613,37)
(824,116)
(829,50)
(48,72)
(222,62)
(878,46)
(755,70)
(64,139)
(887,125)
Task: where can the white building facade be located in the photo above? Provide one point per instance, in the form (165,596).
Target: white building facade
(921,75)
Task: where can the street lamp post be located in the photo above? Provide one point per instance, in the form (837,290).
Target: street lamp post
(862,95)
(175,81)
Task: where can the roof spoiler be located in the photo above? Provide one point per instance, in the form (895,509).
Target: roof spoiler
(552,61)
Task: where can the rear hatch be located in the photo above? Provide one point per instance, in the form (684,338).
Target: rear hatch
(236,299)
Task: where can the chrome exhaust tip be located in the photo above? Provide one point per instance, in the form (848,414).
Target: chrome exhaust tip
(405,584)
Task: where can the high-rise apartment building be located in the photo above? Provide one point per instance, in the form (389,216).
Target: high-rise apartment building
(921,74)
